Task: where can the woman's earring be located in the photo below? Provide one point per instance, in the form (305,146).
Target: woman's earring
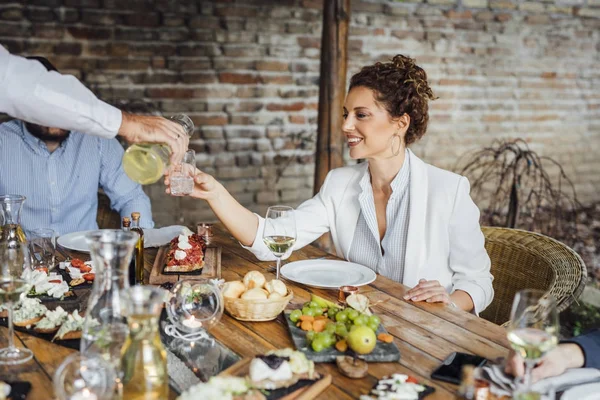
(395,153)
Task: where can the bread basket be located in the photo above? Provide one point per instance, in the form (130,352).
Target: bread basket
(256,310)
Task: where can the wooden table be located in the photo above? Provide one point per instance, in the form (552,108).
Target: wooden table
(425,333)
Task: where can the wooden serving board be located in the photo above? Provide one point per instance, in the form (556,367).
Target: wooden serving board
(211,269)
(307,392)
(383,352)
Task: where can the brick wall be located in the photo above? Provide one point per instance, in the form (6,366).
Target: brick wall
(247,73)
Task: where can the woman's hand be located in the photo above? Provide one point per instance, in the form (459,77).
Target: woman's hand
(554,363)
(205,186)
(429,291)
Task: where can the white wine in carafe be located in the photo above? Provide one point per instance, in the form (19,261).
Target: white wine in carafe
(145,163)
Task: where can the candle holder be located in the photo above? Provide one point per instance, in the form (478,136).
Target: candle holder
(193,307)
(82,377)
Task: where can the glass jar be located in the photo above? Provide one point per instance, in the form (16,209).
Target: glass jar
(145,163)
(105,327)
(143,357)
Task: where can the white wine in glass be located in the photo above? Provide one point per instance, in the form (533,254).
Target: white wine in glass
(14,259)
(279,233)
(533,331)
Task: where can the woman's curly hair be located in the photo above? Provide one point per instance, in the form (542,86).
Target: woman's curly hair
(401,87)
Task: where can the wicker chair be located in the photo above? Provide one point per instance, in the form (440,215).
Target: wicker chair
(107,218)
(528,260)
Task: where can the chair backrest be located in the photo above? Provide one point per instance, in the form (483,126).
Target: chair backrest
(107,218)
(528,260)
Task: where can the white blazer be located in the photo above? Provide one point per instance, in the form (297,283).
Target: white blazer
(444,243)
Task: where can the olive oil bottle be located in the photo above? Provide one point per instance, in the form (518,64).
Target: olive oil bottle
(139,249)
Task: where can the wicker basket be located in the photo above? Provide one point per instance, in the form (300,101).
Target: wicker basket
(256,310)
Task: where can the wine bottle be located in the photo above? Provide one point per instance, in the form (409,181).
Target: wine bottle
(139,249)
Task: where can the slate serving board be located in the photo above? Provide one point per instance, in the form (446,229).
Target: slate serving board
(383,352)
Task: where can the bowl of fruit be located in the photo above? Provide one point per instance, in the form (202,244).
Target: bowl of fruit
(255,299)
(324,331)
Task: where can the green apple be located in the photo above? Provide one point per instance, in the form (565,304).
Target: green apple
(362,340)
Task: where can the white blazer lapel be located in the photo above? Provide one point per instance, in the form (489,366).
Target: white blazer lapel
(416,245)
(347,216)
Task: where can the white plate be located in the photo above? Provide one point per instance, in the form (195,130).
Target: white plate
(74,241)
(328,273)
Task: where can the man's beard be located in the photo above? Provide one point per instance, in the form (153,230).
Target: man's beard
(43,133)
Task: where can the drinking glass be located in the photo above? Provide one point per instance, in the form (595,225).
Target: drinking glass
(182,175)
(13,261)
(84,377)
(533,331)
(42,248)
(279,232)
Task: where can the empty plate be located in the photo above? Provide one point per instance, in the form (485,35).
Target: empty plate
(328,273)
(74,241)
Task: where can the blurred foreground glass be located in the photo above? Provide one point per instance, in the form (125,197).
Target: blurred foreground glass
(532,332)
(143,357)
(82,377)
(105,327)
(42,249)
(13,261)
(145,163)
(279,233)
(182,175)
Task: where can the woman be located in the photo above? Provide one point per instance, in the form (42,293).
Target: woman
(405,219)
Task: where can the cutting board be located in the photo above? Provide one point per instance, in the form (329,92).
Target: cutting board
(383,352)
(211,269)
(303,390)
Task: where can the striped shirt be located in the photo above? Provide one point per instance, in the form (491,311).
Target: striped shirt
(386,259)
(62,187)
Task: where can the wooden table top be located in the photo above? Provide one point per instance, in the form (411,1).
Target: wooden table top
(424,333)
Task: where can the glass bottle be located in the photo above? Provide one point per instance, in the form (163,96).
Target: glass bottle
(145,163)
(143,357)
(104,328)
(139,249)
(127,227)
(10,221)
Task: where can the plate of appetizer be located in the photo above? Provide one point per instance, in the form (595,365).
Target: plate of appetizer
(324,331)
(186,256)
(47,286)
(79,273)
(398,386)
(276,375)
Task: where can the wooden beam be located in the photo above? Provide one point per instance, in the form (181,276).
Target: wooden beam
(332,91)
(332,88)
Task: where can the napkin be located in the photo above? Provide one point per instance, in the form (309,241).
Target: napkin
(502,384)
(162,236)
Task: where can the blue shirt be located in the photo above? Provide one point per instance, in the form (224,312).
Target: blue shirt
(62,187)
(386,259)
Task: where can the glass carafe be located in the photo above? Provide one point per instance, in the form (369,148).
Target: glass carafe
(10,220)
(143,357)
(145,163)
(105,327)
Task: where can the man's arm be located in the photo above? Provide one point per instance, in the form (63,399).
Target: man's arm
(31,93)
(590,345)
(125,195)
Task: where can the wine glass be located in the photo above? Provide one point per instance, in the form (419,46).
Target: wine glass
(84,377)
(14,259)
(279,232)
(533,330)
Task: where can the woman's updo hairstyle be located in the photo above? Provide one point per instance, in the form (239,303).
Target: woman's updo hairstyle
(401,87)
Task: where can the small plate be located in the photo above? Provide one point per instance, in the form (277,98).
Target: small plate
(328,274)
(74,241)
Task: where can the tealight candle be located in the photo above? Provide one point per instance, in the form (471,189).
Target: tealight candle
(84,394)
(191,322)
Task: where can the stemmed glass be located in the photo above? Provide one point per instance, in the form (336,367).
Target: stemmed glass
(84,377)
(279,232)
(533,330)
(13,260)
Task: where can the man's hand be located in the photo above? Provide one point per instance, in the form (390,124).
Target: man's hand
(554,363)
(152,129)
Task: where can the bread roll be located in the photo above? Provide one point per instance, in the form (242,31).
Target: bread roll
(275,296)
(255,294)
(254,279)
(233,289)
(276,286)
